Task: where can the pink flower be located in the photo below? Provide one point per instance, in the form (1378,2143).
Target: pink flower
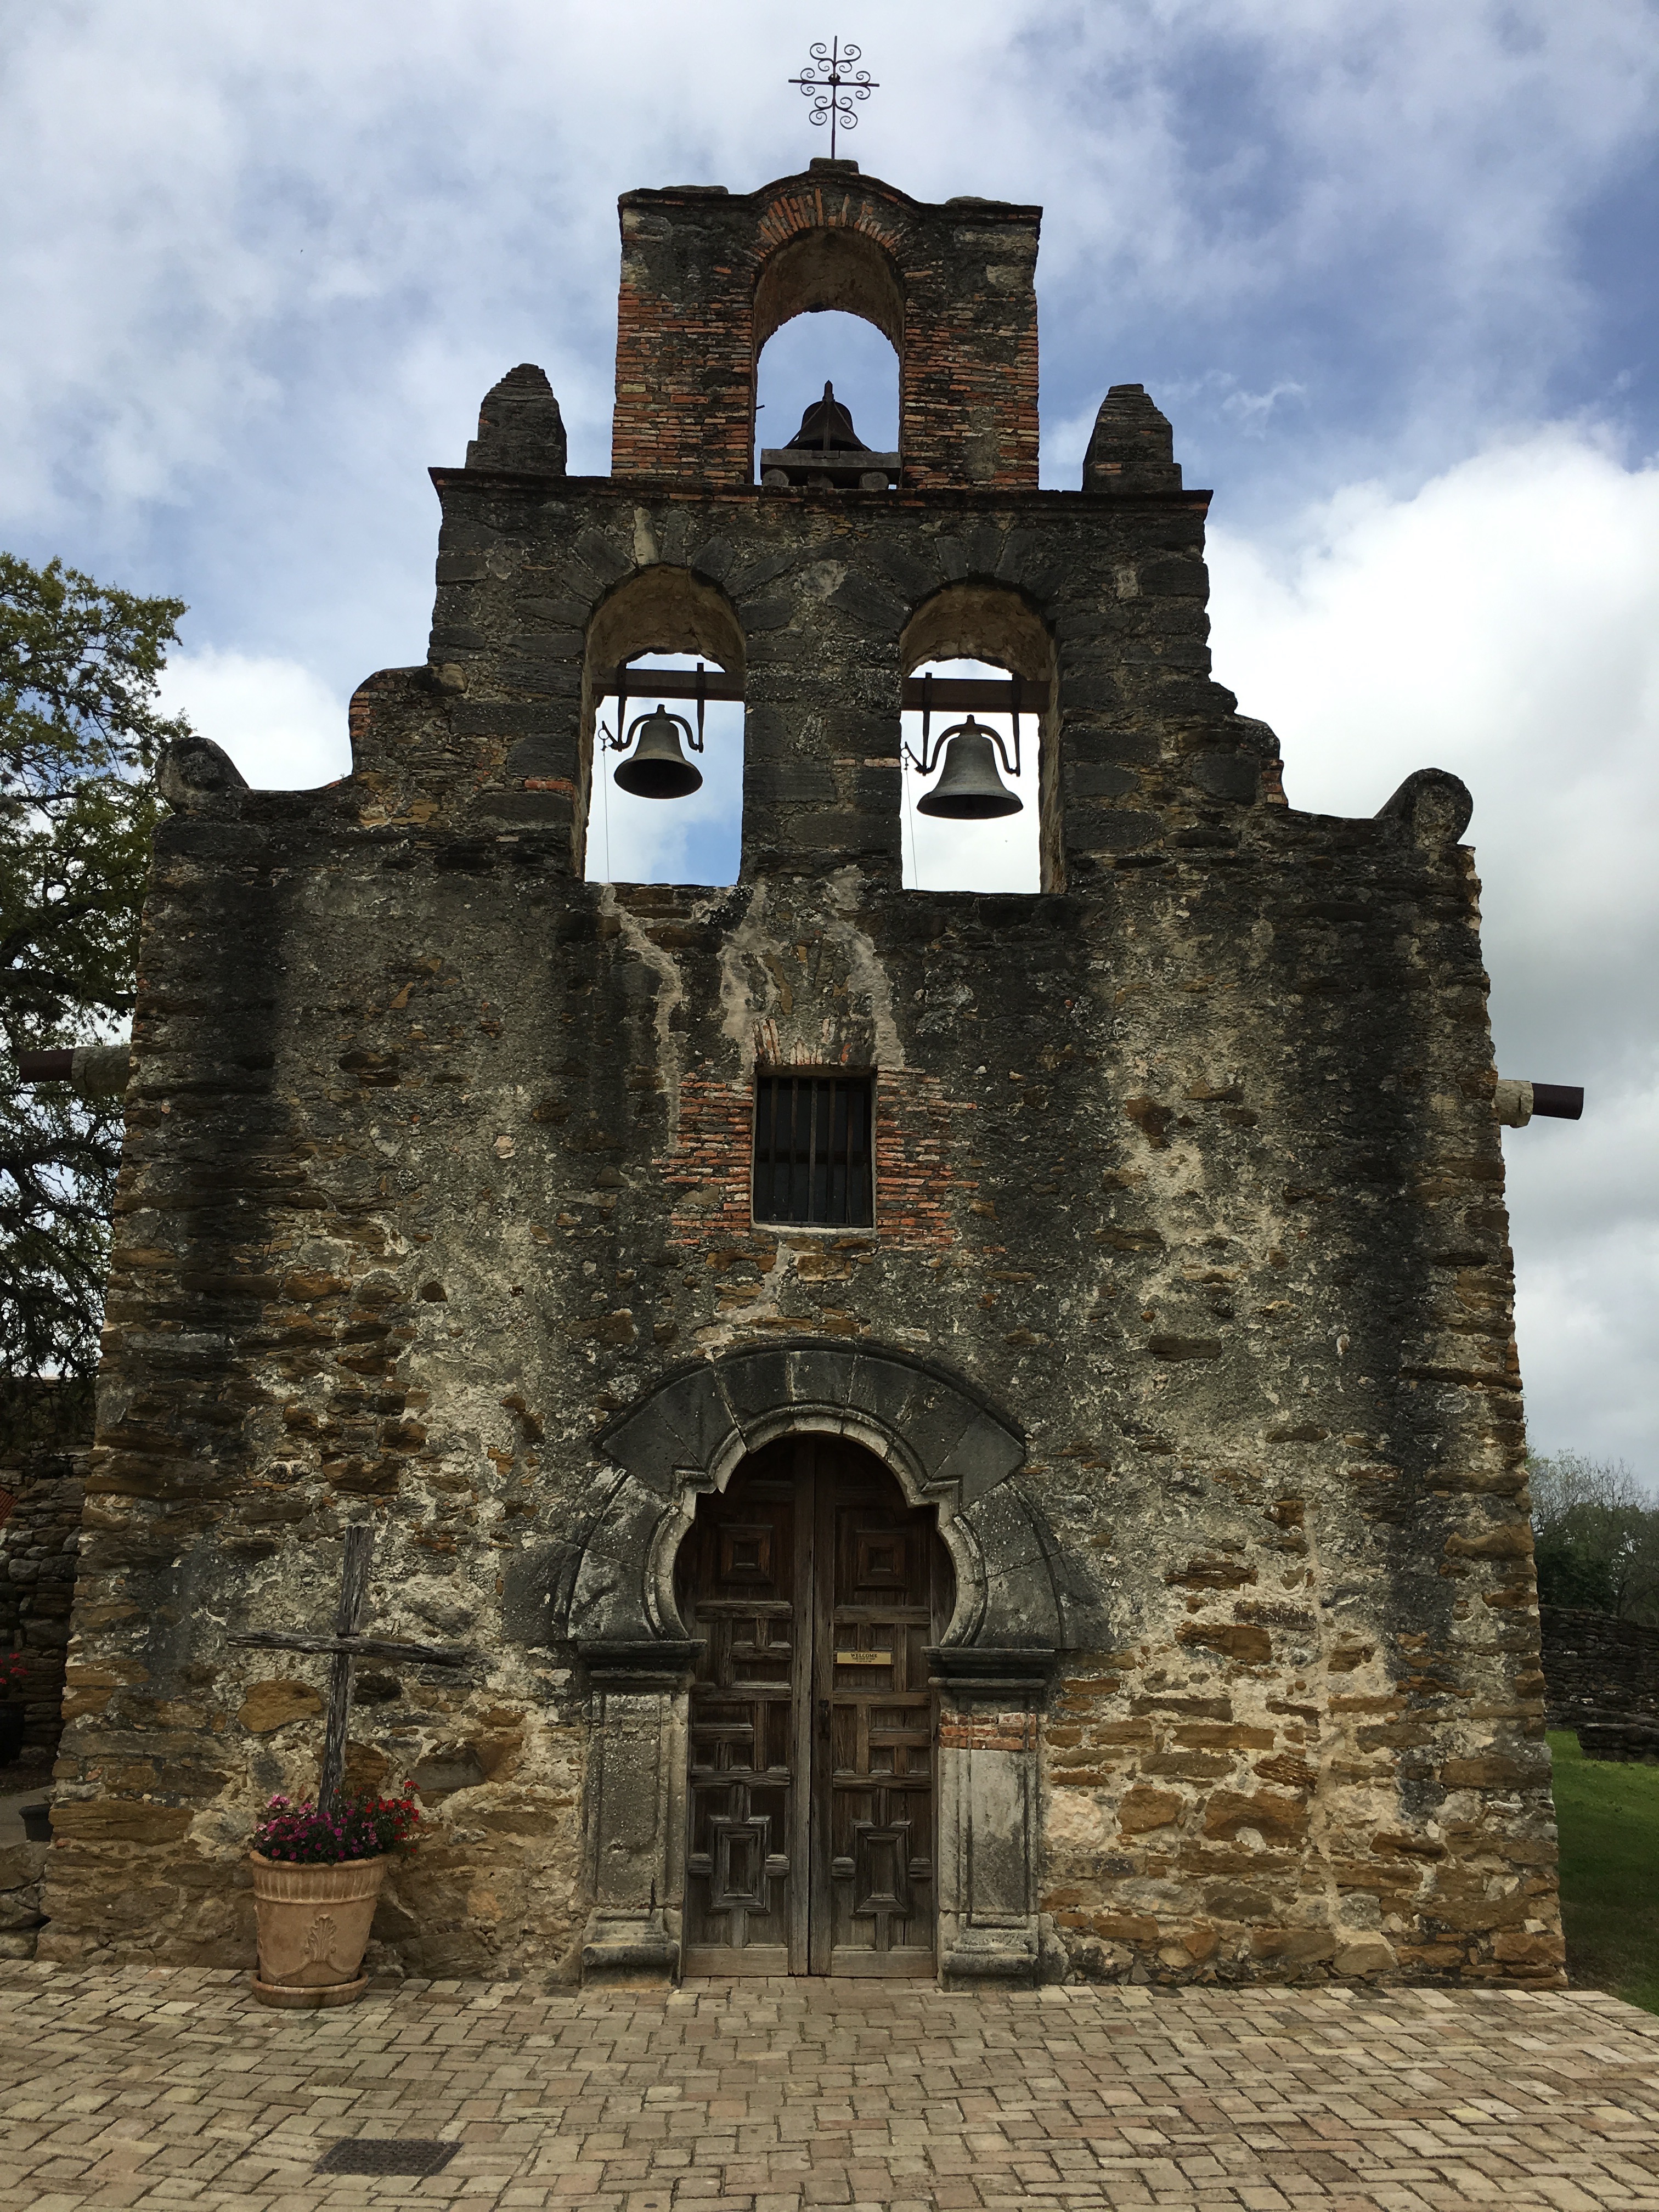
(362,1827)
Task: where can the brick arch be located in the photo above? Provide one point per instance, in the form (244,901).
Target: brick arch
(706,276)
(824,269)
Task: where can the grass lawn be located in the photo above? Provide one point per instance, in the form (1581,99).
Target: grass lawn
(1608,1816)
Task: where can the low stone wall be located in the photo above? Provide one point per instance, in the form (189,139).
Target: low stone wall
(20,1918)
(1594,1664)
(46,1431)
(1625,1738)
(40,1541)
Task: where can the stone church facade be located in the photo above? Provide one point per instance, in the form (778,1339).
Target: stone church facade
(1078,1530)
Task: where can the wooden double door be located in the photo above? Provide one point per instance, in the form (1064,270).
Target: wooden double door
(815,1589)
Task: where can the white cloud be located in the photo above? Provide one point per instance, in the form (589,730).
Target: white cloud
(1504,623)
(234,229)
(282,726)
(260,263)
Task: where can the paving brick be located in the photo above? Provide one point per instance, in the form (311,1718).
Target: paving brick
(165,2088)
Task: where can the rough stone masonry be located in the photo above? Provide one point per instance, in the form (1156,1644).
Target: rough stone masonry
(1183,1316)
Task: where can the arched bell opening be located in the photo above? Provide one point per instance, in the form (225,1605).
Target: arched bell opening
(827,406)
(663,733)
(814,1592)
(847,286)
(979,745)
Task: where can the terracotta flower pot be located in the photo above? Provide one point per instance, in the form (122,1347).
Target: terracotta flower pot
(314,1925)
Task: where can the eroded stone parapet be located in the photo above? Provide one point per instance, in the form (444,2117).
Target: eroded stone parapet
(1132,447)
(519,425)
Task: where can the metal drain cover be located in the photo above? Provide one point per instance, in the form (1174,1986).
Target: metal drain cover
(386,2154)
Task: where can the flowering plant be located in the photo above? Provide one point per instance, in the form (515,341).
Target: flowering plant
(14,1670)
(359,1828)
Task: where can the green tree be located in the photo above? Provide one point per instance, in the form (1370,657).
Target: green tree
(80,731)
(1595,1532)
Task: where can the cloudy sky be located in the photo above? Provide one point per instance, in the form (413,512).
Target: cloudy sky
(1388,265)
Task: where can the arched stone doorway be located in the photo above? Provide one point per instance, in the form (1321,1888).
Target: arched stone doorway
(1016,1605)
(815,1593)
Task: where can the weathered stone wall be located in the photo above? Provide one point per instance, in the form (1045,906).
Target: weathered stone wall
(1595,1664)
(1631,1739)
(436,1162)
(39,1540)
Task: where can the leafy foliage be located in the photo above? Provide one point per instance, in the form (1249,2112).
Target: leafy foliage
(80,731)
(1595,1530)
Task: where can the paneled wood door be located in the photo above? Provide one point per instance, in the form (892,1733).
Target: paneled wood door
(742,1575)
(815,1589)
(878,1603)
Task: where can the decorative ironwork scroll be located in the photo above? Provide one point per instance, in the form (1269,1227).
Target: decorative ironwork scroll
(832,85)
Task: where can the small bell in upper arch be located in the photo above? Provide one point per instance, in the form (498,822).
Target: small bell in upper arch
(971,789)
(657,769)
(829,426)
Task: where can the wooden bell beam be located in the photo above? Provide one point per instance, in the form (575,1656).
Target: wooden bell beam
(951,694)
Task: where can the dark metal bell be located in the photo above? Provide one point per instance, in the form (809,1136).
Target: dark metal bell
(971,789)
(828,425)
(657,769)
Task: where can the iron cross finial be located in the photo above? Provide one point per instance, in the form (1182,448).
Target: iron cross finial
(832,86)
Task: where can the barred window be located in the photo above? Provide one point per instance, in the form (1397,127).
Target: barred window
(813,1149)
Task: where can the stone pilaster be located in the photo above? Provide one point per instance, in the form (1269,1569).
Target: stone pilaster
(636,1811)
(989,1816)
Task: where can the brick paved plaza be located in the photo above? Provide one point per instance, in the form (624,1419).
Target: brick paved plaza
(172,2087)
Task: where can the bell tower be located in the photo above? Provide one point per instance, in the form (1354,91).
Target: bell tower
(708,276)
(969,1433)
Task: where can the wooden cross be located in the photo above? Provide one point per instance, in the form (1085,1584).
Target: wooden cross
(344,1646)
